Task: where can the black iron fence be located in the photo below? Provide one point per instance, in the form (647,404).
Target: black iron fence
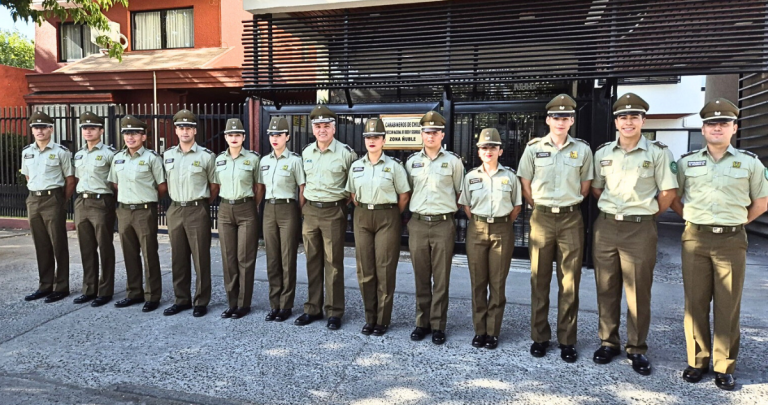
(15,135)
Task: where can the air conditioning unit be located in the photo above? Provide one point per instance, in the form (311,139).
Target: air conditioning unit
(113,33)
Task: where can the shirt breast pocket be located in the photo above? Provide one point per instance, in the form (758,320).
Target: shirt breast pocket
(543,163)
(169,167)
(646,172)
(506,188)
(284,173)
(738,176)
(476,187)
(386,182)
(52,168)
(694,172)
(196,171)
(221,168)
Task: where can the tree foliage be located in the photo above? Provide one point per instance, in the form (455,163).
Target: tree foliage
(17,51)
(88,12)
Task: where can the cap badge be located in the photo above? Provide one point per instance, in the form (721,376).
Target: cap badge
(184,119)
(320,117)
(88,121)
(430,122)
(487,137)
(130,126)
(562,107)
(629,106)
(717,112)
(39,120)
(234,126)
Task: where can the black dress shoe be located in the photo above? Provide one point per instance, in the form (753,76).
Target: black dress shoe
(127,302)
(539,349)
(367,329)
(491,342)
(438,337)
(37,295)
(99,301)
(228,312)
(150,306)
(605,354)
(175,309)
(380,330)
(241,312)
(419,333)
(693,374)
(306,319)
(283,314)
(57,296)
(640,363)
(725,381)
(478,341)
(568,353)
(202,310)
(83,299)
(334,323)
(271,315)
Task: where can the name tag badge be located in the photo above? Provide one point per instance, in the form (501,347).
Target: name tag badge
(119,161)
(265,167)
(29,156)
(221,163)
(473,181)
(606,162)
(169,160)
(417,165)
(697,163)
(543,154)
(358,169)
(80,157)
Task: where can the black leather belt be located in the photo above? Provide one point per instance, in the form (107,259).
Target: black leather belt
(626,218)
(133,207)
(432,218)
(375,206)
(45,192)
(557,210)
(320,204)
(280,200)
(490,220)
(93,196)
(717,228)
(188,203)
(237,202)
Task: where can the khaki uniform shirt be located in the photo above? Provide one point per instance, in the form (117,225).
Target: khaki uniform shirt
(137,176)
(92,168)
(326,171)
(556,175)
(46,168)
(491,195)
(718,193)
(380,183)
(281,176)
(632,179)
(435,183)
(189,174)
(237,176)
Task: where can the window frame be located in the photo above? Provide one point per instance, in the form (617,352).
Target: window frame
(82,42)
(163,34)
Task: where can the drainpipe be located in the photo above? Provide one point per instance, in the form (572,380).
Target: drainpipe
(154,111)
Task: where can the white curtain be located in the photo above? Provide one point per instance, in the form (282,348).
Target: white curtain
(179,29)
(89,47)
(147,34)
(71,42)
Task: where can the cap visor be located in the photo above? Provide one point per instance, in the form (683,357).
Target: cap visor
(185,124)
(40,124)
(369,134)
(560,114)
(90,125)
(272,131)
(431,129)
(719,119)
(630,111)
(481,144)
(322,120)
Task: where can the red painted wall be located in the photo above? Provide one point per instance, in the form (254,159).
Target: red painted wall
(210,30)
(13,86)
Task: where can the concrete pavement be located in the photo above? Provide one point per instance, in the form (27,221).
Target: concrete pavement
(67,353)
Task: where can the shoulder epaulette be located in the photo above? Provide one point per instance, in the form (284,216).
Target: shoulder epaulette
(171,148)
(359,158)
(397,160)
(223,152)
(255,153)
(306,146)
(63,147)
(748,153)
(411,155)
(112,148)
(582,141)
(26,147)
(152,151)
(534,140)
(659,144)
(349,148)
(208,150)
(510,169)
(689,153)
(475,168)
(602,146)
(454,154)
(296,154)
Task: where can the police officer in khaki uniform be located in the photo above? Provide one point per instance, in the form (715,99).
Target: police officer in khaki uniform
(139,179)
(435,175)
(380,190)
(724,189)
(95,212)
(48,169)
(237,174)
(629,174)
(492,201)
(556,172)
(191,175)
(281,175)
(326,164)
